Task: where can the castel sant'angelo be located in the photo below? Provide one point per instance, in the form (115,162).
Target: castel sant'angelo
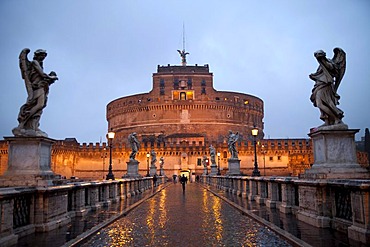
(180,119)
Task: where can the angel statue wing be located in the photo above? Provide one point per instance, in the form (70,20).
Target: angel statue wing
(24,65)
(340,61)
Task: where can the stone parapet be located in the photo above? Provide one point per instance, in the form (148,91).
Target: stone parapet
(340,204)
(26,210)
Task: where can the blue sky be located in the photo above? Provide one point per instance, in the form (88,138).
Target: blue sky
(103,50)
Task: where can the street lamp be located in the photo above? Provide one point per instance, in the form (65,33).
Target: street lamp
(256,172)
(218,170)
(147,163)
(110,137)
(103,156)
(264,159)
(160,166)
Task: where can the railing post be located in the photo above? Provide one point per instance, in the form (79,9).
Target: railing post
(261,188)
(287,202)
(272,193)
(252,190)
(360,230)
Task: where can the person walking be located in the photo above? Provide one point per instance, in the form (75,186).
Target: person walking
(183,181)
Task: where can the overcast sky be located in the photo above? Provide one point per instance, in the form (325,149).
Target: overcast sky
(104,50)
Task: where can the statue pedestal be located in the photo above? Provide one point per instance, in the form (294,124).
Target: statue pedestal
(153,170)
(132,169)
(205,171)
(335,156)
(213,170)
(29,162)
(161,172)
(234,167)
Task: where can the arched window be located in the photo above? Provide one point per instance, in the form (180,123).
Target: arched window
(182,96)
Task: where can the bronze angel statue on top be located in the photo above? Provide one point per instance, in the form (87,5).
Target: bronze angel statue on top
(327,79)
(183,56)
(37,86)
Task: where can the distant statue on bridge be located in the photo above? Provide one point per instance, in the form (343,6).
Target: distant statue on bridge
(327,79)
(161,162)
(37,86)
(212,153)
(232,139)
(154,157)
(135,145)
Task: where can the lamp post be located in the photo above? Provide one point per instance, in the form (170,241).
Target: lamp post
(147,164)
(103,156)
(256,172)
(218,157)
(110,137)
(264,159)
(207,165)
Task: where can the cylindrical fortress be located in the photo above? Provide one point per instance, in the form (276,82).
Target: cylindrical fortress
(184,105)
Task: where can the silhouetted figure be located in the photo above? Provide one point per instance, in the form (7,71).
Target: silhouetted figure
(183,181)
(155,180)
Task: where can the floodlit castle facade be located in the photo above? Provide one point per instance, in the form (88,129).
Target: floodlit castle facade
(180,118)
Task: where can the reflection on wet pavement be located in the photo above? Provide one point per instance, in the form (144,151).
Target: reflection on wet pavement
(196,218)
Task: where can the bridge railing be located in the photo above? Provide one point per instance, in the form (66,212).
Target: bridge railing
(40,209)
(343,205)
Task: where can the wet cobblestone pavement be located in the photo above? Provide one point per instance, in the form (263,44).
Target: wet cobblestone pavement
(194,218)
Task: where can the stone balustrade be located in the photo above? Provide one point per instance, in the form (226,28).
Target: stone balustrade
(342,205)
(25,210)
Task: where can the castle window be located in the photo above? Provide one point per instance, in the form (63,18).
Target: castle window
(190,83)
(271,158)
(161,83)
(203,83)
(175,95)
(189,95)
(225,155)
(182,95)
(217,98)
(279,158)
(176,84)
(203,90)
(161,91)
